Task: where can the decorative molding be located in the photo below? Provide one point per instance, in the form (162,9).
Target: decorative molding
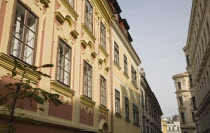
(84,43)
(89,33)
(107,69)
(7,62)
(87,101)
(100,61)
(103,109)
(93,54)
(60,17)
(74,33)
(118,115)
(103,51)
(45,2)
(62,89)
(70,9)
(126,75)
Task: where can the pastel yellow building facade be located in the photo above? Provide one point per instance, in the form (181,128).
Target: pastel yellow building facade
(164,126)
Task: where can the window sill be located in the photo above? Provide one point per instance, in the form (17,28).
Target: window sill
(136,124)
(127,120)
(103,109)
(89,33)
(62,88)
(103,51)
(134,84)
(126,75)
(117,65)
(87,101)
(118,115)
(7,62)
(70,9)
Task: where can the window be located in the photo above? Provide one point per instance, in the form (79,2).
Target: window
(190,79)
(193,118)
(103,91)
(180,100)
(179,85)
(194,103)
(183,117)
(89,16)
(116,53)
(103,36)
(71,2)
(117,101)
(126,108)
(87,80)
(63,72)
(135,114)
(125,65)
(188,60)
(133,75)
(24,34)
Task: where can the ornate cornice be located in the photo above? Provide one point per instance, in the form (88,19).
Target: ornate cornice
(62,89)
(7,62)
(103,51)
(45,2)
(103,109)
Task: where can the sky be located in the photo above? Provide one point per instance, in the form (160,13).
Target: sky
(159,29)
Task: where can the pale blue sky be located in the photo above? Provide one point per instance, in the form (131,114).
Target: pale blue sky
(159,29)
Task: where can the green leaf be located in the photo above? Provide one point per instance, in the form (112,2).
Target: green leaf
(38,99)
(41,109)
(47,65)
(43,74)
(57,102)
(14,73)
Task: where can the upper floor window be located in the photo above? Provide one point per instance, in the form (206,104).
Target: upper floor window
(125,65)
(87,80)
(103,36)
(71,2)
(191,81)
(24,34)
(180,100)
(117,101)
(63,72)
(183,117)
(89,16)
(179,85)
(194,103)
(188,60)
(103,91)
(116,53)
(126,108)
(193,118)
(135,114)
(133,75)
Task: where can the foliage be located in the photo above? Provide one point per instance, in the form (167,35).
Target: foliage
(24,90)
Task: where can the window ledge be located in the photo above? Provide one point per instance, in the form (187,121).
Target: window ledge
(127,120)
(87,101)
(103,51)
(7,62)
(89,33)
(126,75)
(103,109)
(117,65)
(118,115)
(62,89)
(70,9)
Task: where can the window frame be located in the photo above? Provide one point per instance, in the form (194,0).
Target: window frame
(181,100)
(101,91)
(116,52)
(9,48)
(125,59)
(127,111)
(70,61)
(183,117)
(103,34)
(133,75)
(117,99)
(135,114)
(86,94)
(179,85)
(86,17)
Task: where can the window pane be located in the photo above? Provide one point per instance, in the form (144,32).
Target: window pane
(18,30)
(67,65)
(66,78)
(16,48)
(60,74)
(30,38)
(28,55)
(20,13)
(31,22)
